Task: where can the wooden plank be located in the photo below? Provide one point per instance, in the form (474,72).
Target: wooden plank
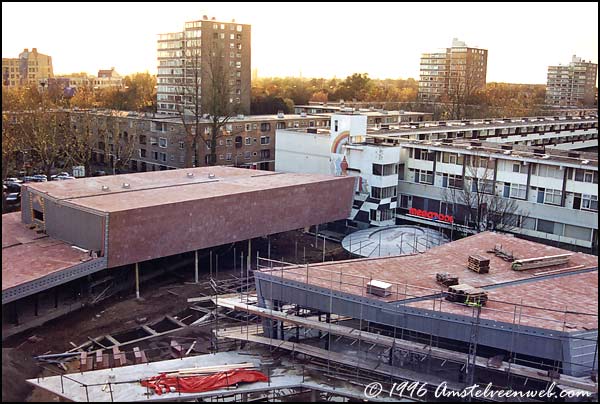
(560,270)
(111,339)
(174,320)
(543,258)
(149,330)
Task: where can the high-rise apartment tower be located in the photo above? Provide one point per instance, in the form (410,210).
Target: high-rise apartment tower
(188,61)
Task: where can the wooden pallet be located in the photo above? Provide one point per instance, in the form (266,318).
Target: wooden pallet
(479,264)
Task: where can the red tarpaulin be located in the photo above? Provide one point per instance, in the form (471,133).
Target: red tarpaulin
(197,384)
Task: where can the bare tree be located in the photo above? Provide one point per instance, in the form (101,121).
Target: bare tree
(80,140)
(11,143)
(43,133)
(477,194)
(206,93)
(119,146)
(463,83)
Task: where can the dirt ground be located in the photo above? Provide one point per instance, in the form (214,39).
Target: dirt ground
(161,296)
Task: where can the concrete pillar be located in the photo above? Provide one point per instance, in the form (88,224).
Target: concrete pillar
(137,280)
(268,324)
(15,312)
(249,257)
(36,303)
(196,266)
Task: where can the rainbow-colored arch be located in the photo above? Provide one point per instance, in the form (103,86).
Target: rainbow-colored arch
(336,146)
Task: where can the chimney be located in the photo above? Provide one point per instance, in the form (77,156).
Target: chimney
(26,50)
(34,50)
(205,17)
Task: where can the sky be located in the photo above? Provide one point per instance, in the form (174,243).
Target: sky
(327,40)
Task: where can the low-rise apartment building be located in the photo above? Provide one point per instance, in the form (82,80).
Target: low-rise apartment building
(157,141)
(433,175)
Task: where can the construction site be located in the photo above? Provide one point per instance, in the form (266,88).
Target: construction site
(157,286)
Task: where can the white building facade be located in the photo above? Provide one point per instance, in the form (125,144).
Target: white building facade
(403,179)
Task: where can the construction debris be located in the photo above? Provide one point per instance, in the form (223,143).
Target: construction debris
(463,293)
(446,279)
(499,252)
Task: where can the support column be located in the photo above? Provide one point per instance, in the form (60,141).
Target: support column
(196,266)
(249,257)
(137,280)
(15,312)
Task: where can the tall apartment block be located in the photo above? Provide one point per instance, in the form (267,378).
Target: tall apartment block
(573,84)
(29,68)
(456,69)
(181,54)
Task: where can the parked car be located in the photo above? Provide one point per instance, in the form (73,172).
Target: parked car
(63,174)
(13,180)
(12,187)
(13,198)
(64,177)
(40,178)
(99,173)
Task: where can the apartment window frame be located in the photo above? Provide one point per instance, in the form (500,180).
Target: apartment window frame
(162,142)
(591,201)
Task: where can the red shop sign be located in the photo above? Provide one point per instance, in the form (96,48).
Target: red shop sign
(431,215)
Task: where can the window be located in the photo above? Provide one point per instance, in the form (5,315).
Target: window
(518,191)
(248,141)
(159,126)
(452,181)
(228,156)
(380,215)
(553,196)
(424,177)
(422,154)
(265,127)
(163,156)
(155,155)
(385,169)
(265,139)
(482,162)
(221,157)
(247,155)
(382,193)
(483,186)
(162,142)
(153,141)
(181,145)
(451,158)
(142,139)
(586,176)
(543,170)
(142,152)
(545,226)
(519,168)
(265,154)
(589,202)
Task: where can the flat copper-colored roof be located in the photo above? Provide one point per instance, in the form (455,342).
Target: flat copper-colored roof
(28,256)
(415,276)
(166,187)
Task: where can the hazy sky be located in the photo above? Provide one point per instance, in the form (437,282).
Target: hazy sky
(315,39)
